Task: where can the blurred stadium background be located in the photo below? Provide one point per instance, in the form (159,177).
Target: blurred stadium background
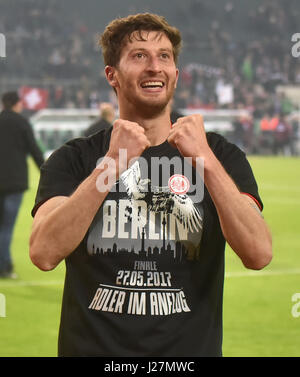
(237,68)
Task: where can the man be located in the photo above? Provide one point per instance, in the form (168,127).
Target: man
(16,143)
(145,255)
(107,116)
(282,136)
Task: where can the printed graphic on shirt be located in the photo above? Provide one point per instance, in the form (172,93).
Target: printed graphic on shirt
(153,226)
(141,291)
(148,220)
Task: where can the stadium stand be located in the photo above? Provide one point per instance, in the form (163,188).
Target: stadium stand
(235,56)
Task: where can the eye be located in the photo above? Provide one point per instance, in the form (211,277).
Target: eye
(139,55)
(165,56)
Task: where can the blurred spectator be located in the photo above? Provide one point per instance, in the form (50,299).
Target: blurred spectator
(282,137)
(16,143)
(243,133)
(238,134)
(107,116)
(266,133)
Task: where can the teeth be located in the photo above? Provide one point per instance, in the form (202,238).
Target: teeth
(152,83)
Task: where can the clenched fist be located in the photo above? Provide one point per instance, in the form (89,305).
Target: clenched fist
(188,136)
(129,136)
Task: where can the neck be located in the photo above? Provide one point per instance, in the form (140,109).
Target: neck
(157,127)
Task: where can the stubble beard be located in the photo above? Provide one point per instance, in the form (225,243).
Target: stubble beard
(151,110)
(152,107)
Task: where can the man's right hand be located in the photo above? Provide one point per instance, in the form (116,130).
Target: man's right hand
(129,136)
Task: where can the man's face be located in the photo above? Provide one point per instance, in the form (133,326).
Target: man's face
(146,75)
(18,107)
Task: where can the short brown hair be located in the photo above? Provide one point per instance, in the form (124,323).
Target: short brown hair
(113,38)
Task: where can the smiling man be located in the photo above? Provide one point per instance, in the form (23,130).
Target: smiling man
(144,256)
(145,76)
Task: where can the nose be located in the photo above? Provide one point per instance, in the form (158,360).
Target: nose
(154,65)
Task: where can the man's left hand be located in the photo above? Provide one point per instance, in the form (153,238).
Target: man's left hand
(188,136)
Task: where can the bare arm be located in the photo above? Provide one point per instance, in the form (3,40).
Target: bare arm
(61,223)
(243,227)
(242,224)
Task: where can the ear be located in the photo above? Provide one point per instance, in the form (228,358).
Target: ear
(111,76)
(177,76)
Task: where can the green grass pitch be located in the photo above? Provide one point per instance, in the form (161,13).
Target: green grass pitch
(258,318)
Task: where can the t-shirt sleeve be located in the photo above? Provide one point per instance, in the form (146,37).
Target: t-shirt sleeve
(60,175)
(237,166)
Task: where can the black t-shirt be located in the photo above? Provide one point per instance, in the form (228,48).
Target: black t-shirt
(147,280)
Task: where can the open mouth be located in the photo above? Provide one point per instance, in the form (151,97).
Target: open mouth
(152,84)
